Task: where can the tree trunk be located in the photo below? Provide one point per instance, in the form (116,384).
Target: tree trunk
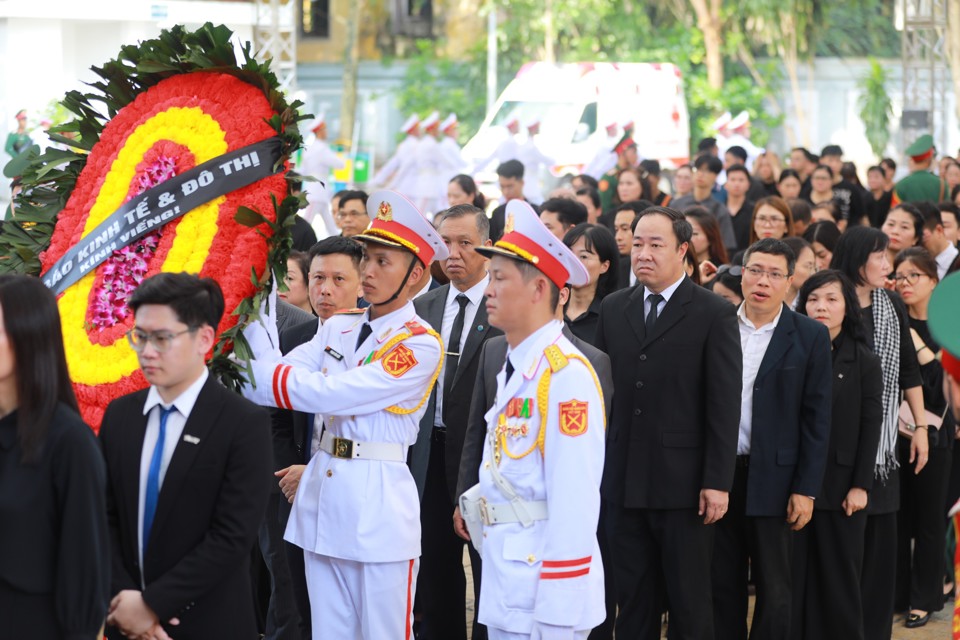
(709,23)
(788,48)
(746,57)
(549,54)
(351,61)
(953,48)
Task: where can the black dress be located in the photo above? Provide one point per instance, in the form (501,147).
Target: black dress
(54,546)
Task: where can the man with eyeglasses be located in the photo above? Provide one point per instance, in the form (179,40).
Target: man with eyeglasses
(781,448)
(352,215)
(189,466)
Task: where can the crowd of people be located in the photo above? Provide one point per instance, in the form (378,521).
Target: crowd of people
(628,402)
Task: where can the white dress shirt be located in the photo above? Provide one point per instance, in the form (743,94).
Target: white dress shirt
(944,259)
(451,308)
(666,293)
(754,342)
(175,423)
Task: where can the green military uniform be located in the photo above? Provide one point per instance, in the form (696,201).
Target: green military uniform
(609,181)
(921,185)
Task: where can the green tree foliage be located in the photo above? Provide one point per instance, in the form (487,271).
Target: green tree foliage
(875,107)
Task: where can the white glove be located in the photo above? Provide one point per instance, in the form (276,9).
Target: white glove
(262,335)
(543,631)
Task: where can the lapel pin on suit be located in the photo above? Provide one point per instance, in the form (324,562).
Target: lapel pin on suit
(191,439)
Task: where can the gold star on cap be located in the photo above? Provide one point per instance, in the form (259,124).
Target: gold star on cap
(508,226)
(385,212)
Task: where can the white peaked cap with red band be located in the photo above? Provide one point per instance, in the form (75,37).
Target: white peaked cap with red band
(741,119)
(317,122)
(448,122)
(410,123)
(430,120)
(526,239)
(396,222)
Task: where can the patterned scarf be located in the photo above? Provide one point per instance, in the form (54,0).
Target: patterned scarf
(886,344)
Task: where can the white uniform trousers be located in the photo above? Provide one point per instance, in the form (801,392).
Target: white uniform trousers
(352,600)
(499,634)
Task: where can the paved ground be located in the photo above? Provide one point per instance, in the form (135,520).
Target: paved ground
(937,629)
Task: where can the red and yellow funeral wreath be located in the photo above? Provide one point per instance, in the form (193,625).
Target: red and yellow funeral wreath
(174,103)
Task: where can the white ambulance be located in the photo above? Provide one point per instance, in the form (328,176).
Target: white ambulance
(575,103)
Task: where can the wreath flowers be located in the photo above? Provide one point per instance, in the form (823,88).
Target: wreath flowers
(175,102)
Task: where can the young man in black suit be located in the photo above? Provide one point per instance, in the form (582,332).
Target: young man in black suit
(188,466)
(781,449)
(435,458)
(673,432)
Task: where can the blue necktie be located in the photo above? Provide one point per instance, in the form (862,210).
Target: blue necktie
(153,477)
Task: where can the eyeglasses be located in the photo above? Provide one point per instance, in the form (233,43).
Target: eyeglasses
(756,274)
(767,220)
(160,340)
(911,278)
(733,269)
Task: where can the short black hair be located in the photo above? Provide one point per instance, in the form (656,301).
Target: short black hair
(302,258)
(338,244)
(682,229)
(798,244)
(823,167)
(529,271)
(710,163)
(853,249)
(772,247)
(511,169)
(913,209)
(195,301)
(637,206)
(591,193)
(931,215)
(651,166)
(738,168)
(347,196)
(832,150)
(825,232)
(809,155)
(737,152)
(588,180)
(800,209)
(569,212)
(890,163)
(852,325)
(789,173)
(952,209)
(464,210)
(339,194)
(706,144)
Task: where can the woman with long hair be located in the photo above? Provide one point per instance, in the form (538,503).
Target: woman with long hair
(821,190)
(823,237)
(922,523)
(772,218)
(55,551)
(789,184)
(683,181)
(861,254)
(706,244)
(297,281)
(463,190)
(631,186)
(830,552)
(766,168)
(596,248)
(904,227)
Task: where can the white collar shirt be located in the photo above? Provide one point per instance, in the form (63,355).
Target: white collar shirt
(944,259)
(176,421)
(666,293)
(754,342)
(451,308)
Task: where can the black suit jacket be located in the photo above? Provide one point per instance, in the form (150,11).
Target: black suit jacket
(676,411)
(292,429)
(856,423)
(492,358)
(210,506)
(790,429)
(456,408)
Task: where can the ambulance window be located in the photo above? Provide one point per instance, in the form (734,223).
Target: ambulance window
(588,123)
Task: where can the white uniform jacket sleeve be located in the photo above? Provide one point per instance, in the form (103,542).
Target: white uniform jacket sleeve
(573,464)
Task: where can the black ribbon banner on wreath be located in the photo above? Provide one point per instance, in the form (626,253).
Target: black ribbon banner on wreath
(162,204)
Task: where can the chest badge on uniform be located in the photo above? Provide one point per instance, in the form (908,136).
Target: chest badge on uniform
(519,408)
(399,361)
(336,355)
(573,418)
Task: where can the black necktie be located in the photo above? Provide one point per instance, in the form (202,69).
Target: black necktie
(365,332)
(453,346)
(509,370)
(655,299)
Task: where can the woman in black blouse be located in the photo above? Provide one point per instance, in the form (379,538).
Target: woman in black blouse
(830,551)
(922,519)
(597,249)
(54,549)
(861,254)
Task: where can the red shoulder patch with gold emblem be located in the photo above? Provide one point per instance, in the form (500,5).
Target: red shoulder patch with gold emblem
(573,418)
(399,360)
(416,329)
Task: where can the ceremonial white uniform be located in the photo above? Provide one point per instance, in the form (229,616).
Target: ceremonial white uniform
(429,174)
(546,430)
(401,168)
(739,140)
(318,161)
(357,519)
(508,149)
(452,163)
(533,161)
(604,160)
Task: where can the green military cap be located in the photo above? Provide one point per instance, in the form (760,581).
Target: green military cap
(920,146)
(944,313)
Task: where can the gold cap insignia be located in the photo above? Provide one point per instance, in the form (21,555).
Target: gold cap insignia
(508,225)
(385,212)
